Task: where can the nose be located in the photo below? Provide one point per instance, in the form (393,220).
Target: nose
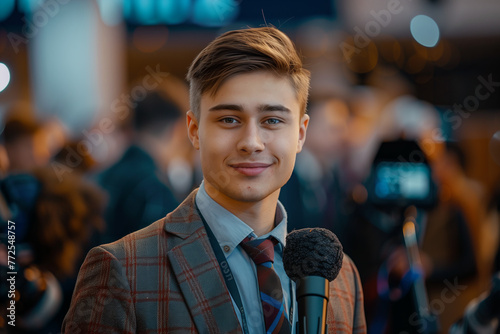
(252,139)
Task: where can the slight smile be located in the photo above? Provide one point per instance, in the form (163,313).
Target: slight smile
(250,168)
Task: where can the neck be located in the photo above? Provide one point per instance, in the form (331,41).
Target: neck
(259,215)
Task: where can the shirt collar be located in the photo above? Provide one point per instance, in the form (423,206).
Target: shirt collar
(280,223)
(229,229)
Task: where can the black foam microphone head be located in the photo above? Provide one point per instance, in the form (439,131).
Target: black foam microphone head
(312,252)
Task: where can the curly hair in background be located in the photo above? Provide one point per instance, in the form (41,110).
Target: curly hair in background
(67,214)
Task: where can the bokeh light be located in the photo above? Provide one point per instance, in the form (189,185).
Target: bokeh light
(174,12)
(145,12)
(208,13)
(28,6)
(425,30)
(6,9)
(4,76)
(111,11)
(214,13)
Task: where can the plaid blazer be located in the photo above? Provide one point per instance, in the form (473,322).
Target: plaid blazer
(165,279)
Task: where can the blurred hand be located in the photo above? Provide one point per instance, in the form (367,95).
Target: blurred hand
(398,265)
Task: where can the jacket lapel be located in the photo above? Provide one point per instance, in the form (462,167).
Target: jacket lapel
(198,273)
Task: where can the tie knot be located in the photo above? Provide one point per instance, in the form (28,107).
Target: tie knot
(260,251)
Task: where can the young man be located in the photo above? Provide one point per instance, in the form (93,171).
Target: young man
(196,269)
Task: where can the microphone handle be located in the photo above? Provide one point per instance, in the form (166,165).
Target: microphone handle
(312,301)
(489,308)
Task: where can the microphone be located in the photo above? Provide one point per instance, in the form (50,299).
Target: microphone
(312,258)
(482,315)
(488,309)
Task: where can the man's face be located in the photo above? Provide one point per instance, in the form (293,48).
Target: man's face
(327,138)
(248,135)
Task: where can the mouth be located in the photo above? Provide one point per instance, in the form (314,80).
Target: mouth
(250,168)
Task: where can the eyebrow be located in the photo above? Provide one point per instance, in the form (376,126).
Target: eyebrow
(261,108)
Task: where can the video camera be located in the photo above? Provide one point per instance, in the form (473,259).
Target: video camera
(400,177)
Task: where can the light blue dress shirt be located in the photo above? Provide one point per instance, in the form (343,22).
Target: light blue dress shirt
(230,231)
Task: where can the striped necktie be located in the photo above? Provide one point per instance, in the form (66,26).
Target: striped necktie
(271,293)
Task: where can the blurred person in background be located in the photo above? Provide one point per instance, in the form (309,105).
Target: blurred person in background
(315,193)
(19,136)
(19,139)
(459,190)
(374,238)
(375,117)
(137,185)
(55,219)
(449,249)
(28,143)
(183,167)
(83,165)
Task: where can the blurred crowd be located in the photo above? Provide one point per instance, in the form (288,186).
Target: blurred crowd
(64,201)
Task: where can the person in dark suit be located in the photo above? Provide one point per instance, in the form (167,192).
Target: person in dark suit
(214,264)
(315,195)
(137,184)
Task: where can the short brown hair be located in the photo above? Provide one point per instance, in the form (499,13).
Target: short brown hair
(244,51)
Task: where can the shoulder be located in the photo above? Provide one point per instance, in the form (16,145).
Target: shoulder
(346,309)
(137,243)
(130,279)
(349,269)
(347,284)
(160,236)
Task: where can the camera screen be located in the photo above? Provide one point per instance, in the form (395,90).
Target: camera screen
(397,180)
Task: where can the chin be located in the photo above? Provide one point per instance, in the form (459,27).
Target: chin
(250,194)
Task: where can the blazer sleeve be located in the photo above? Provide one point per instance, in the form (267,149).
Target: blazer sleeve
(102,301)
(359,319)
(346,313)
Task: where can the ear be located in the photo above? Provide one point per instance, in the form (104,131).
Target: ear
(192,129)
(304,122)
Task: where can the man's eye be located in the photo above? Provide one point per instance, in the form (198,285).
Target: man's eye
(228,120)
(272,121)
